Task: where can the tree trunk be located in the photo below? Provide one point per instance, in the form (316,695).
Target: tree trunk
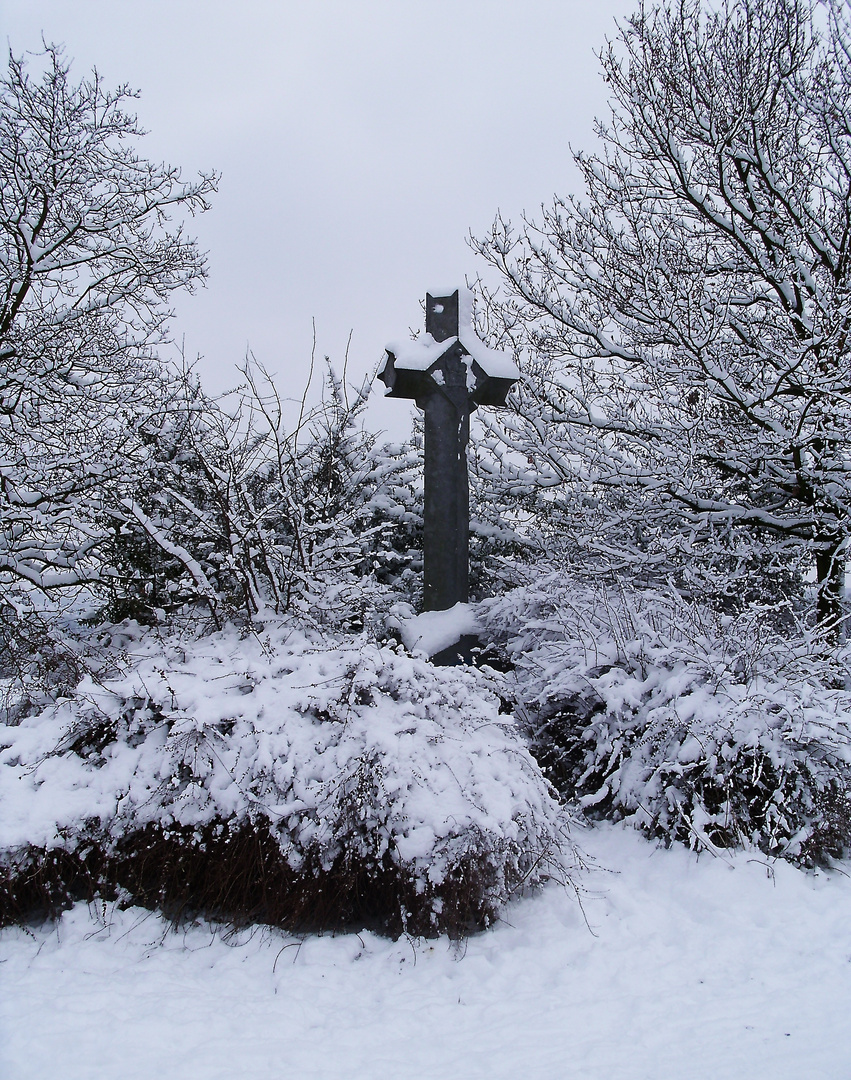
(830,578)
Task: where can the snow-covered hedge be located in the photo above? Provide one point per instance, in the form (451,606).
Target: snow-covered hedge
(686,723)
(282,777)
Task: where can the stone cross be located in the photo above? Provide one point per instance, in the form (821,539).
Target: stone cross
(448,371)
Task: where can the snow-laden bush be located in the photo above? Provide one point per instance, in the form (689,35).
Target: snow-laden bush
(246,510)
(278,777)
(691,725)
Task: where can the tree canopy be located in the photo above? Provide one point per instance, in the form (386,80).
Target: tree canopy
(89,257)
(686,322)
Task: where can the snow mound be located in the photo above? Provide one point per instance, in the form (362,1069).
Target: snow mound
(433,631)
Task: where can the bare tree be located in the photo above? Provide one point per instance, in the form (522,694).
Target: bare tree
(89,258)
(686,323)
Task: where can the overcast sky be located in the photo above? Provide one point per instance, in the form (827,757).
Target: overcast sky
(359,142)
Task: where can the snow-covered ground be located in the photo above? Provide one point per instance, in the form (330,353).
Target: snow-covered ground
(687,969)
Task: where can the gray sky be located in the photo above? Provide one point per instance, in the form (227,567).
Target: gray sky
(359,141)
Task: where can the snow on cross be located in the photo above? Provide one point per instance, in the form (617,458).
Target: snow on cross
(449,372)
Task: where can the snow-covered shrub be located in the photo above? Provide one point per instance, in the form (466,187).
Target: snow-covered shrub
(39,660)
(247,509)
(281,778)
(692,725)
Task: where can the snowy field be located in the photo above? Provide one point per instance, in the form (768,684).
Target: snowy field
(688,969)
